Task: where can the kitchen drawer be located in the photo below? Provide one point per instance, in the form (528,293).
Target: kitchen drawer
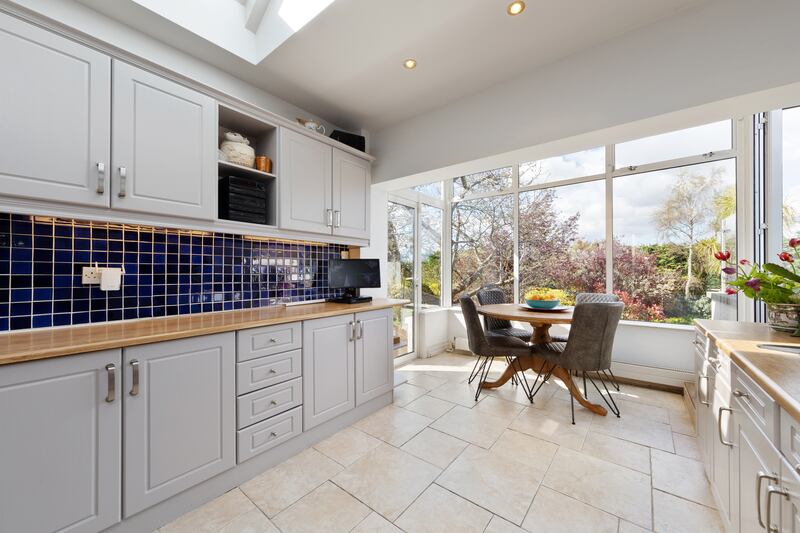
(266,371)
(790,438)
(262,404)
(700,343)
(258,342)
(261,437)
(756,403)
(720,362)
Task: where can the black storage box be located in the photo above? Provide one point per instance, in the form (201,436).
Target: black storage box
(350,139)
(243,199)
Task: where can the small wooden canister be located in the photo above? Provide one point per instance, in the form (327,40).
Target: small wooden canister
(263,163)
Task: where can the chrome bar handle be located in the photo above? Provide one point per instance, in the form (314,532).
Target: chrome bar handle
(338,220)
(111,373)
(329,217)
(352,331)
(772,489)
(761,476)
(699,395)
(360,329)
(123,182)
(101,178)
(719,425)
(134,377)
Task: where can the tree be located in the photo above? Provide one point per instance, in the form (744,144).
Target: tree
(684,213)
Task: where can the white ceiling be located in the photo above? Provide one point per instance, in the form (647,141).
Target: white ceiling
(346,64)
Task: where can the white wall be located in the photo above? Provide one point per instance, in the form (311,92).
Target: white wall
(71,14)
(378,239)
(722,49)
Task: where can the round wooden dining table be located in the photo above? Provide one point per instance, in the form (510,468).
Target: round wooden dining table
(541,322)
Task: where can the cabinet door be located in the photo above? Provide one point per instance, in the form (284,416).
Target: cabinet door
(328,369)
(705,417)
(790,503)
(55,104)
(180,426)
(165,150)
(61,444)
(374,365)
(721,448)
(754,456)
(351,185)
(305,183)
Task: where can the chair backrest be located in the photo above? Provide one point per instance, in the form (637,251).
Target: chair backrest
(595,298)
(591,336)
(475,335)
(490,296)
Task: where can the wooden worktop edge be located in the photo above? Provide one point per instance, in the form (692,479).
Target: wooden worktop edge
(35,345)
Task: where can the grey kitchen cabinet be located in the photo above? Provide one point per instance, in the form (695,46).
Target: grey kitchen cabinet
(374,365)
(352,180)
(60,444)
(787,496)
(180,416)
(164,142)
(55,104)
(328,369)
(705,392)
(722,447)
(305,183)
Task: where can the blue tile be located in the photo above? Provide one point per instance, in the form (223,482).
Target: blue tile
(62,319)
(42,321)
(80,318)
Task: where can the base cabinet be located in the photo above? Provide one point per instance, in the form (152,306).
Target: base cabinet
(180,416)
(60,444)
(374,366)
(722,449)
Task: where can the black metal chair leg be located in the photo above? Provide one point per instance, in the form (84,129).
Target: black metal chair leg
(475,370)
(524,380)
(607,397)
(510,362)
(484,375)
(613,380)
(585,390)
(572,407)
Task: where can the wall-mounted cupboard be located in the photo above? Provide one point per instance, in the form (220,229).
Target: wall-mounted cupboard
(96,135)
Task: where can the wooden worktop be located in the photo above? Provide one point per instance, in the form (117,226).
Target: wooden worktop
(55,342)
(778,373)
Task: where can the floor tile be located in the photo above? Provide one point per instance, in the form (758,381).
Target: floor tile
(387,479)
(639,430)
(499,408)
(213,515)
(327,508)
(629,408)
(498,525)
(429,406)
(686,446)
(615,489)
(553,512)
(681,422)
(438,510)
(435,447)
(516,394)
(407,393)
(668,400)
(494,481)
(552,426)
(348,445)
(394,425)
(681,476)
(251,522)
(469,425)
(525,449)
(426,381)
(375,523)
(676,515)
(617,451)
(280,486)
(460,393)
(627,527)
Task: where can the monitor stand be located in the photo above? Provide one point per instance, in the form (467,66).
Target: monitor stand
(351,296)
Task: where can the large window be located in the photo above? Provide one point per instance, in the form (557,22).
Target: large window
(562,238)
(548,222)
(791,173)
(430,254)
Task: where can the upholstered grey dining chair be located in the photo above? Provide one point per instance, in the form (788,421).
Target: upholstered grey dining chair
(497,327)
(598,297)
(588,347)
(487,348)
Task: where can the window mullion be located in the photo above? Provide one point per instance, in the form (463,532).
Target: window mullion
(515,229)
(610,164)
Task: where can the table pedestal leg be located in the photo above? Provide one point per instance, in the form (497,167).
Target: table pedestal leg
(540,365)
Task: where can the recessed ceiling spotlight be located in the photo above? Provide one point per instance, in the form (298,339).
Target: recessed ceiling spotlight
(515,8)
(410,63)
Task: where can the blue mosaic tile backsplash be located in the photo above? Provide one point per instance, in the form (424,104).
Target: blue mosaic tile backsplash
(167,271)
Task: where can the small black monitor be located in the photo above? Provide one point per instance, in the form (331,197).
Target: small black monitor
(352,275)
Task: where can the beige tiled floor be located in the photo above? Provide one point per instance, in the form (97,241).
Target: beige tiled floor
(436,461)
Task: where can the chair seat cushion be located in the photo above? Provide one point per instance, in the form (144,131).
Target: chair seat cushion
(549,350)
(519,333)
(501,346)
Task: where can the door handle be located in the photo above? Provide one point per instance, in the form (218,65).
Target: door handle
(719,426)
(123,182)
(338,219)
(770,491)
(329,217)
(134,377)
(761,476)
(360,329)
(351,334)
(740,394)
(111,374)
(101,178)
(699,395)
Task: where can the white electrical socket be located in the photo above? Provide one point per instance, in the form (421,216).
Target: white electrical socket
(90,275)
